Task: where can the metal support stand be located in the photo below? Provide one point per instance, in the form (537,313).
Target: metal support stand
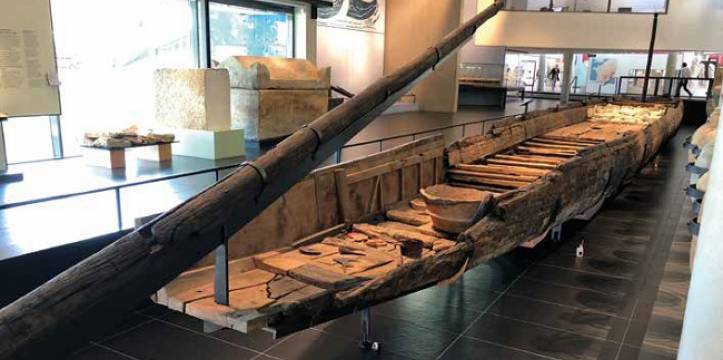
(649,65)
(366,325)
(220,281)
(6,177)
(556,233)
(526,105)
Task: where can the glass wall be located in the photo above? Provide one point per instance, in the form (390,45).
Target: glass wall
(106,61)
(107,51)
(28,138)
(615,6)
(535,72)
(250,30)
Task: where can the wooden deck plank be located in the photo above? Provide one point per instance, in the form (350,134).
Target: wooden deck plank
(500,169)
(543,151)
(570,148)
(237,281)
(492,175)
(521,163)
(323,278)
(492,189)
(530,158)
(487,181)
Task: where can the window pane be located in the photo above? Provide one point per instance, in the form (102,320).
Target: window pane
(559,5)
(638,6)
(238,30)
(627,6)
(106,59)
(28,138)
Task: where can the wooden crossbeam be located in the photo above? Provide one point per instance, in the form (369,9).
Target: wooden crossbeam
(488,188)
(543,151)
(521,163)
(501,169)
(554,146)
(488,181)
(531,159)
(577,140)
(561,142)
(490,175)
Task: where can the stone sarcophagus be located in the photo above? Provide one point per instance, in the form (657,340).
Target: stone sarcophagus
(272,97)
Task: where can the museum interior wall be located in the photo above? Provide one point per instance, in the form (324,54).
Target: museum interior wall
(406,37)
(689,25)
(353,48)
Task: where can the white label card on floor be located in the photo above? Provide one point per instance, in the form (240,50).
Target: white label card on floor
(29,83)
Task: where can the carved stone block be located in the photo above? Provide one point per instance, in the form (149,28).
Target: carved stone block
(270,114)
(197,99)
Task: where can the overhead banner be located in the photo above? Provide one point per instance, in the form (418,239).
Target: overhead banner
(29,84)
(365,15)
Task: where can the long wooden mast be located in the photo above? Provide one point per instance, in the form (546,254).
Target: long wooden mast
(84,299)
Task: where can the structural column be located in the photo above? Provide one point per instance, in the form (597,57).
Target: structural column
(672,64)
(541,74)
(703,324)
(566,77)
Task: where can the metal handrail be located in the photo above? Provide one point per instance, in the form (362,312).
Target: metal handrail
(217,169)
(657,80)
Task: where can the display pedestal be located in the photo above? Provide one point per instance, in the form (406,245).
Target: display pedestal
(116,158)
(209,144)
(6,177)
(107,158)
(160,153)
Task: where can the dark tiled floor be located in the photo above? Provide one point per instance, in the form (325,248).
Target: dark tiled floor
(623,300)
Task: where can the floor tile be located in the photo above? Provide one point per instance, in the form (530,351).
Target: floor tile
(397,336)
(472,349)
(577,279)
(448,317)
(258,340)
(459,294)
(608,303)
(538,339)
(605,265)
(318,345)
(158,340)
(583,322)
(94,352)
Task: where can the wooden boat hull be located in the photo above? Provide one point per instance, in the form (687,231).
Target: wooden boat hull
(567,166)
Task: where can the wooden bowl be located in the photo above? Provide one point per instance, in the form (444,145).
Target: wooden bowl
(453,209)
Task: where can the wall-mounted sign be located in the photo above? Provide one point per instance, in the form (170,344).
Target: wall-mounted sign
(365,15)
(28,72)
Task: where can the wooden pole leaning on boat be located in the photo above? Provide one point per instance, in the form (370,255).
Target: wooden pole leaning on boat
(91,295)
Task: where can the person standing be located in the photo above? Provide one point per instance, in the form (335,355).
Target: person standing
(554,76)
(683,75)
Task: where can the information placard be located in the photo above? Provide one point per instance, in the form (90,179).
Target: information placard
(29,82)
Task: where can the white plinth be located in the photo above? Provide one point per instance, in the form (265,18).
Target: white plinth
(209,144)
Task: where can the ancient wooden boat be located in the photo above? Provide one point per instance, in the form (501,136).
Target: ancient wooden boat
(356,234)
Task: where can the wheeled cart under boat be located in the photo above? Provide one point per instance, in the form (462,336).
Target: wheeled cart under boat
(355,234)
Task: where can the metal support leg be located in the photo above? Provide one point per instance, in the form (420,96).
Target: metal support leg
(220,281)
(220,284)
(556,233)
(366,325)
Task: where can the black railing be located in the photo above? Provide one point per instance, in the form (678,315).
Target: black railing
(659,86)
(116,189)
